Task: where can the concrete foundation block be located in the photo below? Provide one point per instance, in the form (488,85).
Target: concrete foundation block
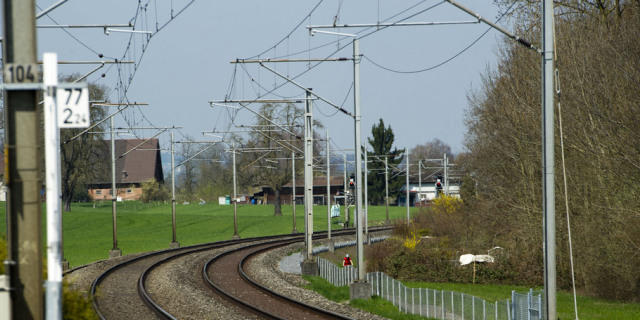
(65,265)
(114,253)
(332,245)
(309,267)
(174,245)
(360,290)
(235,237)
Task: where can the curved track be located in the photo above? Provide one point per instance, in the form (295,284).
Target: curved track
(115,292)
(225,274)
(121,291)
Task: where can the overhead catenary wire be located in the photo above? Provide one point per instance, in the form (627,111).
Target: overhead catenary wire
(437,65)
(365,35)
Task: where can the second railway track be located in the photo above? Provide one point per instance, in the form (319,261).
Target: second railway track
(123,291)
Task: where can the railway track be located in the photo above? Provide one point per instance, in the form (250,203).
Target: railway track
(122,290)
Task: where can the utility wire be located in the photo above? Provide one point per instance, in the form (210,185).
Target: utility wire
(73,36)
(446,60)
(290,32)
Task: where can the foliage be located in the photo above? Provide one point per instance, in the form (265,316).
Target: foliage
(153,191)
(381,143)
(275,173)
(375,305)
(411,241)
(598,59)
(3,252)
(434,149)
(446,204)
(326,289)
(75,305)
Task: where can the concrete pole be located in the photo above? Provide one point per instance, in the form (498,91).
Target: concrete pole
(235,196)
(419,180)
(308,174)
(174,242)
(293,190)
(366,195)
(52,167)
(328,186)
(115,252)
(446,174)
(344,177)
(548,164)
(406,151)
(386,186)
(359,214)
(23,164)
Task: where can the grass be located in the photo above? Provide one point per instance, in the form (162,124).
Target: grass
(146,227)
(588,308)
(374,305)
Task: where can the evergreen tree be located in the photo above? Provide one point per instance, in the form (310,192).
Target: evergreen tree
(381,144)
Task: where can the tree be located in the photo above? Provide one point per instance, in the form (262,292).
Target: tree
(433,149)
(277,173)
(153,191)
(381,144)
(598,60)
(81,158)
(187,180)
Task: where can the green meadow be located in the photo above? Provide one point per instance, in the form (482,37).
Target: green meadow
(142,227)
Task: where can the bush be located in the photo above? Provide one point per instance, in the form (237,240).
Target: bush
(3,253)
(153,191)
(75,305)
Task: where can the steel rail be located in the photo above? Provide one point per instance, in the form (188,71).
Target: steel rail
(259,287)
(146,297)
(248,305)
(102,276)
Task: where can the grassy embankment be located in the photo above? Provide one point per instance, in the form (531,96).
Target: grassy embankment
(145,227)
(588,308)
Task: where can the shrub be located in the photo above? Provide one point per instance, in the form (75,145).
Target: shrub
(153,191)
(75,305)
(3,253)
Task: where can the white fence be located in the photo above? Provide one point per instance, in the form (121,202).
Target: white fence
(439,304)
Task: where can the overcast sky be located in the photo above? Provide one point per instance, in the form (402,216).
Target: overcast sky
(186,64)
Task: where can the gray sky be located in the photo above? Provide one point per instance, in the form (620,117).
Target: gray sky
(186,64)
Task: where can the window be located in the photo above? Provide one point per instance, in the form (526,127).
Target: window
(129,191)
(98,192)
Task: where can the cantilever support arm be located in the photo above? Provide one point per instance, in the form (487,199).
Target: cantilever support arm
(307,90)
(495,26)
(143,142)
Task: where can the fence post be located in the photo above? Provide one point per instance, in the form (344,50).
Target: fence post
(442,302)
(393,292)
(406,308)
(529,304)
(539,306)
(462,306)
(452,307)
(435,303)
(484,310)
(413,301)
(496,305)
(427,300)
(508,310)
(473,308)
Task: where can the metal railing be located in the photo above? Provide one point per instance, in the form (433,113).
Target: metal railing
(439,304)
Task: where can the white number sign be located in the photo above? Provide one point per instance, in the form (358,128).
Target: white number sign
(73,107)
